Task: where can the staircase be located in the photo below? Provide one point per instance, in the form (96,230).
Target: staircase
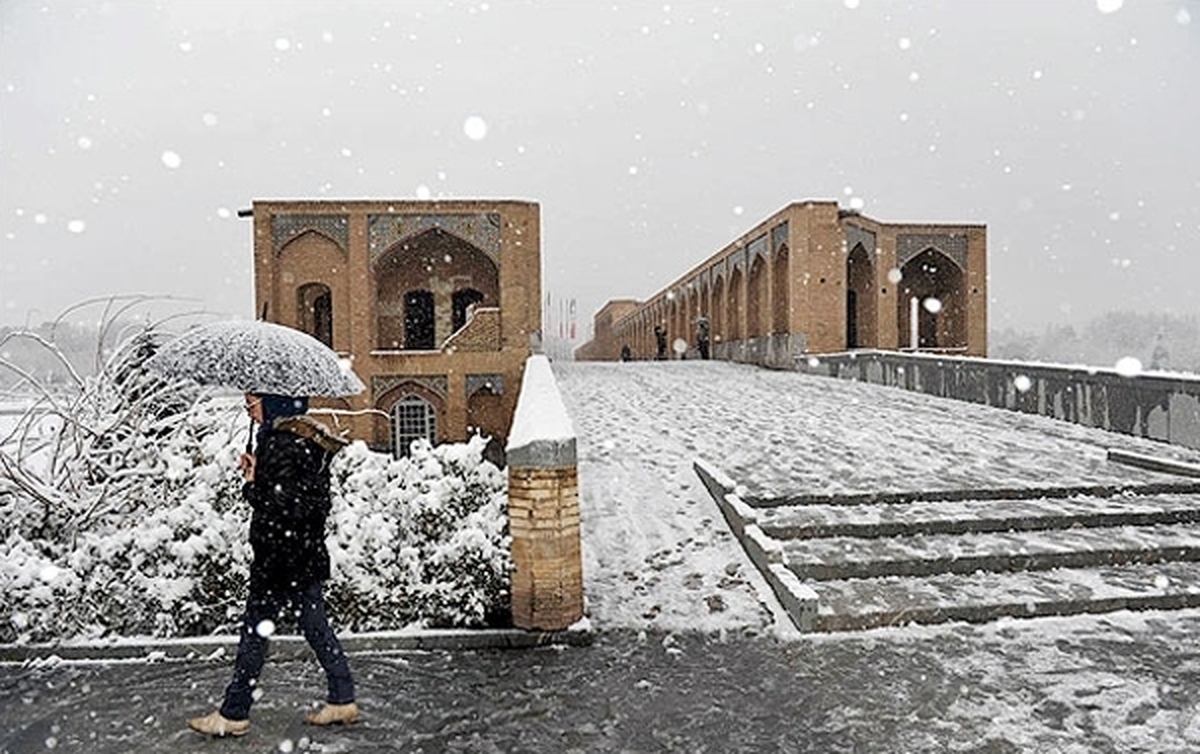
(854,562)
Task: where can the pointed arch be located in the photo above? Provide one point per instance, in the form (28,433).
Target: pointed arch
(781,298)
(757,310)
(936,283)
(718,310)
(314,311)
(737,306)
(413,411)
(437,263)
(861,301)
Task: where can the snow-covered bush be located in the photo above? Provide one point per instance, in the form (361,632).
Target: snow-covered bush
(122,511)
(156,546)
(420,539)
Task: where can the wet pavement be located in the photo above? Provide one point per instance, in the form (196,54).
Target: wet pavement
(1118,683)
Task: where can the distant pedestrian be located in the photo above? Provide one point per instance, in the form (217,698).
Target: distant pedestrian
(287,486)
(660,340)
(626,354)
(702,336)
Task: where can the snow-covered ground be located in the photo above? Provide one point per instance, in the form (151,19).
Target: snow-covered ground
(659,558)
(657,552)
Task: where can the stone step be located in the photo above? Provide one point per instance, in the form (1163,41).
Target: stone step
(974,493)
(976,516)
(924,555)
(854,604)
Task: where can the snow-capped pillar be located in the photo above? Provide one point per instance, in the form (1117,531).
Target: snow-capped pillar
(543,506)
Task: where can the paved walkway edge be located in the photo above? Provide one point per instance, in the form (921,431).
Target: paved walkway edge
(217,647)
(800,602)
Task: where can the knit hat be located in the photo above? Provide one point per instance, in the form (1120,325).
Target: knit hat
(276,407)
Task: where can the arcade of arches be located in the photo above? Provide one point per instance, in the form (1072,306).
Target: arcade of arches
(437,304)
(814,279)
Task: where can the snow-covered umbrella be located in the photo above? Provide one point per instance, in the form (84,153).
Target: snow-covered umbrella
(256,357)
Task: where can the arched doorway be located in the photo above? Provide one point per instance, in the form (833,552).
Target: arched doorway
(931,284)
(757,312)
(736,307)
(782,303)
(314,303)
(718,310)
(486,416)
(861,301)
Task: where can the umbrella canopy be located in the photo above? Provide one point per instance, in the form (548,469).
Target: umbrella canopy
(256,357)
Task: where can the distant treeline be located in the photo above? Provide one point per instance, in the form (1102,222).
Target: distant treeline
(27,351)
(1160,341)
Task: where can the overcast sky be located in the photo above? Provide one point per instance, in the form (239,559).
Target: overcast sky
(651,133)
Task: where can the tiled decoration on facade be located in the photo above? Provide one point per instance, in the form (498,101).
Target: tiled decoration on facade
(856,235)
(492,382)
(953,245)
(758,248)
(437,384)
(779,236)
(284,228)
(481,230)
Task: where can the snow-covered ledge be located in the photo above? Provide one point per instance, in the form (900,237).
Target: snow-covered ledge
(542,434)
(543,506)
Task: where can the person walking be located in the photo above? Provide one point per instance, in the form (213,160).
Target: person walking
(660,342)
(287,487)
(702,336)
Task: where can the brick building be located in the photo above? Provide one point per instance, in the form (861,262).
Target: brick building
(437,303)
(813,278)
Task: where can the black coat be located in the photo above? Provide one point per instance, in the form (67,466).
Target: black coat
(290,500)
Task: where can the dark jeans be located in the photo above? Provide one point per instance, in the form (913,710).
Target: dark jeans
(309,607)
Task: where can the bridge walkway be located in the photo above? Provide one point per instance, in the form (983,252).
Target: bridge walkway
(884,506)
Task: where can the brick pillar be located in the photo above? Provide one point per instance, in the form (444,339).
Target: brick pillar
(547,577)
(543,506)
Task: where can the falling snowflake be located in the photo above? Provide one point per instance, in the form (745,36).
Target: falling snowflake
(475,128)
(1128,366)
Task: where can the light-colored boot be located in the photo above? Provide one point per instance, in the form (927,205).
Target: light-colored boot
(331,714)
(215,724)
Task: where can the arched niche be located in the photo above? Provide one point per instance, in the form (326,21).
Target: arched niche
(440,264)
(935,281)
(861,300)
(314,311)
(782,299)
(757,308)
(736,307)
